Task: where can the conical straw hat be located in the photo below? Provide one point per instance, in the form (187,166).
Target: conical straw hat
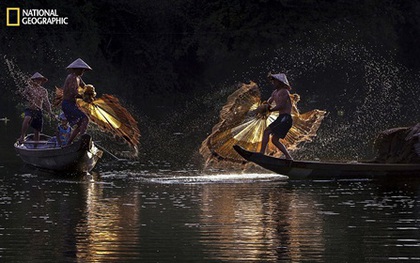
(38,75)
(79,63)
(281,77)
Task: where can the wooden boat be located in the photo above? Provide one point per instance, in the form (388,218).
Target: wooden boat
(80,156)
(314,170)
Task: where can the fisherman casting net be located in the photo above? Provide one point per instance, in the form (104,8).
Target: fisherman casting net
(107,113)
(243,120)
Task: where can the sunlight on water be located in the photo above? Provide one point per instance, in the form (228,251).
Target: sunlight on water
(160,214)
(190,176)
(219,178)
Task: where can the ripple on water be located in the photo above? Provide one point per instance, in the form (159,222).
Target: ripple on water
(219,178)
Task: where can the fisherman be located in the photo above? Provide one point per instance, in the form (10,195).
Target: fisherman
(70,92)
(37,97)
(281,126)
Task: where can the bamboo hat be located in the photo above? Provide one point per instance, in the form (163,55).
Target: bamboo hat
(38,75)
(281,77)
(79,63)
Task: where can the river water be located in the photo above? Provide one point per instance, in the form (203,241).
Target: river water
(142,212)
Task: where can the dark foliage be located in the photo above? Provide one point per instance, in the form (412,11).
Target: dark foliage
(164,47)
(160,55)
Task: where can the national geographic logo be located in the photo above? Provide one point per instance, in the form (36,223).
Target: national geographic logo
(15,16)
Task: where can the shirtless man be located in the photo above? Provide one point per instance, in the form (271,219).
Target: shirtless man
(37,97)
(279,128)
(70,92)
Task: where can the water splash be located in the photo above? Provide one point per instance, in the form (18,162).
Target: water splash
(228,178)
(363,87)
(19,77)
(242,123)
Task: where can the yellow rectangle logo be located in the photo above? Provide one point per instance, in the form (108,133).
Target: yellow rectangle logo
(13,16)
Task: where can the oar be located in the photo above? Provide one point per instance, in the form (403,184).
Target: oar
(108,152)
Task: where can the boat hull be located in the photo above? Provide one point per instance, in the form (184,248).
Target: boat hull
(302,170)
(81,156)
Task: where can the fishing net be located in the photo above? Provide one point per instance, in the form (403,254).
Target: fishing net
(107,113)
(243,120)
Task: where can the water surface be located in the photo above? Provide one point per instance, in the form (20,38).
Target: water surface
(142,212)
(125,216)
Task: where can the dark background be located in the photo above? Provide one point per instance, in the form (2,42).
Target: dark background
(173,63)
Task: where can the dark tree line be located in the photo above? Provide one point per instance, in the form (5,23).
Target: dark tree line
(162,47)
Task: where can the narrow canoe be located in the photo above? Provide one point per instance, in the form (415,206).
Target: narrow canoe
(313,170)
(80,156)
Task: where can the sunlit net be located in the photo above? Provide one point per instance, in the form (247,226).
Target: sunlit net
(361,84)
(241,123)
(109,115)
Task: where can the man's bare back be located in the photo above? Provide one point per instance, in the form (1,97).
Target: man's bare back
(281,97)
(36,96)
(70,92)
(283,104)
(70,87)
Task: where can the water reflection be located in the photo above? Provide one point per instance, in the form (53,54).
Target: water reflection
(240,221)
(250,223)
(133,217)
(102,234)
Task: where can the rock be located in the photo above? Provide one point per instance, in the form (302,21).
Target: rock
(398,145)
